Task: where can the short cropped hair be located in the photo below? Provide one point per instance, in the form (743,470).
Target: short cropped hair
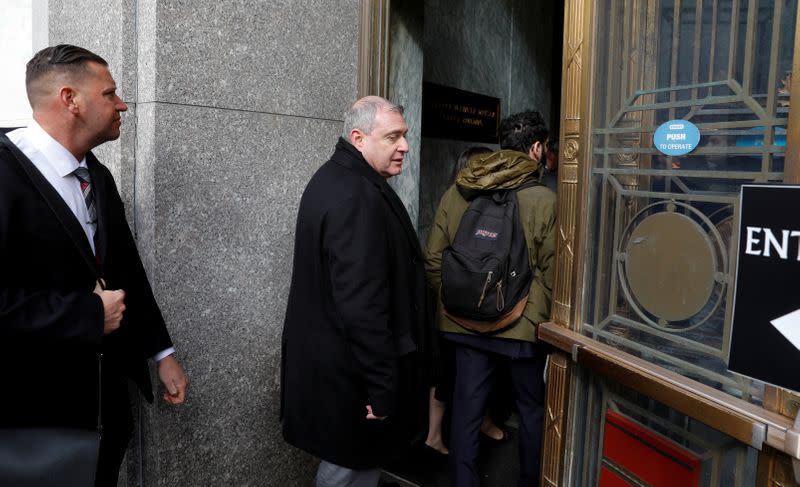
(520,131)
(63,58)
(361,115)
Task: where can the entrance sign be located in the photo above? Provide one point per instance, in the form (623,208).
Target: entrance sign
(676,137)
(765,341)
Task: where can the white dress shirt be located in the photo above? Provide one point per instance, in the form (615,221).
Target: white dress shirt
(57,164)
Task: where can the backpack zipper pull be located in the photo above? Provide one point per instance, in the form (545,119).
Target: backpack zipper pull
(501,300)
(485,286)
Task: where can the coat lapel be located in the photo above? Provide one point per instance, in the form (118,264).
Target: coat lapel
(348,156)
(57,205)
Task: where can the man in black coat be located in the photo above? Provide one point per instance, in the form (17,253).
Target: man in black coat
(71,281)
(355,319)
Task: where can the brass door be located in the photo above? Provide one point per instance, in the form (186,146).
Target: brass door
(647,242)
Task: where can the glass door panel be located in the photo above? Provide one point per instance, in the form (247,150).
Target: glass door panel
(662,230)
(637,441)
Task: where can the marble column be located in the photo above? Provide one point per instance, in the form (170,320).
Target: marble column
(405,88)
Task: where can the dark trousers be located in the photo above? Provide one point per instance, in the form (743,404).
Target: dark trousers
(117,428)
(474,377)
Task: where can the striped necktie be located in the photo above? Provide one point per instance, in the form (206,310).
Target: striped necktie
(82,174)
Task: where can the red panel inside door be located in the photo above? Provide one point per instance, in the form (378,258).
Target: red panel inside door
(645,455)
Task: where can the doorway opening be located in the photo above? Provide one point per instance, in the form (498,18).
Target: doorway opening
(509,50)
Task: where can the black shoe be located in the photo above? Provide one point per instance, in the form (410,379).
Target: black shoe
(433,455)
(495,441)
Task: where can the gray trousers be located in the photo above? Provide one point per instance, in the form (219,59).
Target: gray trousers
(331,475)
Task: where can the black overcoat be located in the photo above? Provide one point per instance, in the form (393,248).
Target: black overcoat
(51,323)
(355,324)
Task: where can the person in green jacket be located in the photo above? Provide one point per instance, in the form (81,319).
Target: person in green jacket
(523,139)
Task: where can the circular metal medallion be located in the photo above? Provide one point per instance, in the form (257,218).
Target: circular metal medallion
(670,265)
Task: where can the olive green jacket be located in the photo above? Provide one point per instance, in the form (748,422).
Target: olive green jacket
(537,210)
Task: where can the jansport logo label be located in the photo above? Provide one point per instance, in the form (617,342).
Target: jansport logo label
(485,234)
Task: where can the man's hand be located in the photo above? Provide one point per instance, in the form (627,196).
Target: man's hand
(174,379)
(113,307)
(371,416)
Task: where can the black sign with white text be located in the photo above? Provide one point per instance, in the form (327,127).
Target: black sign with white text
(765,341)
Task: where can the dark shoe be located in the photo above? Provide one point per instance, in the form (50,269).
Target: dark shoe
(491,440)
(433,455)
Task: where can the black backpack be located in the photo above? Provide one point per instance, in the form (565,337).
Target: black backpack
(486,274)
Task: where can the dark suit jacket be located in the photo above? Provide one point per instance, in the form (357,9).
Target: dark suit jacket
(355,319)
(51,324)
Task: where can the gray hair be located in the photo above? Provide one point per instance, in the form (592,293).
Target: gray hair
(361,115)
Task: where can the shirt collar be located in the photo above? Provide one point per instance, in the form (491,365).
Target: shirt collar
(56,154)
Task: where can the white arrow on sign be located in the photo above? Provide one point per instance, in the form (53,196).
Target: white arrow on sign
(789,326)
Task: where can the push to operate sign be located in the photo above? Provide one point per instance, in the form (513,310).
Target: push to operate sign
(676,137)
(765,342)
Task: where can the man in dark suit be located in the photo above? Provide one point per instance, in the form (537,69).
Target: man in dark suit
(71,281)
(355,320)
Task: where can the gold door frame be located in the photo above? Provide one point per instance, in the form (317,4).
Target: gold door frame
(572,176)
(734,416)
(373,48)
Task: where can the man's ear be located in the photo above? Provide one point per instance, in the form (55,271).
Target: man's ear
(357,138)
(535,152)
(67,96)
